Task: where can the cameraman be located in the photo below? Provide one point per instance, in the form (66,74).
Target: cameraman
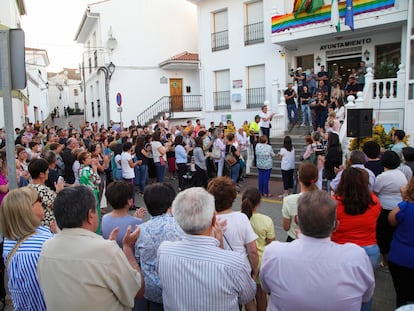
(300,77)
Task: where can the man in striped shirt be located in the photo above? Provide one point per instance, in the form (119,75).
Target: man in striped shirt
(196,273)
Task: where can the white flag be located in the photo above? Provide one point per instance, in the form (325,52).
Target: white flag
(335,15)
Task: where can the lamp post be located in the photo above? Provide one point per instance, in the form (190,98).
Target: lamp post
(108,72)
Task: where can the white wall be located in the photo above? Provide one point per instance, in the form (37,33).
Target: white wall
(147,34)
(238,57)
(9,13)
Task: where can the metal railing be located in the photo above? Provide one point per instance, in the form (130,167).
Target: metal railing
(220,40)
(253,33)
(164,105)
(222,100)
(255,97)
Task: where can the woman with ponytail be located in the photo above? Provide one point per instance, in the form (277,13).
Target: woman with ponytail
(308,177)
(264,228)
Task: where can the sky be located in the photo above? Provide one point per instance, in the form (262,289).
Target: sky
(52,25)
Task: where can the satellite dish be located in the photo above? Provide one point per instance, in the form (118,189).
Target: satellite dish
(111,44)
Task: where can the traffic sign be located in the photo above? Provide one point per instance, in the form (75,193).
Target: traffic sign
(119,99)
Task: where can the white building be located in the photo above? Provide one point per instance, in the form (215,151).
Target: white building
(239,63)
(137,49)
(36,108)
(10,13)
(65,90)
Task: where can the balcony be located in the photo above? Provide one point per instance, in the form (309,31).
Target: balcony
(290,27)
(220,41)
(253,33)
(222,100)
(255,97)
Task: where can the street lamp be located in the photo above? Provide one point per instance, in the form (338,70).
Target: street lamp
(108,72)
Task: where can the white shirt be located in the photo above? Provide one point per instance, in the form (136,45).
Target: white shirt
(316,274)
(127,171)
(239,232)
(288,159)
(387,186)
(242,140)
(335,182)
(265,124)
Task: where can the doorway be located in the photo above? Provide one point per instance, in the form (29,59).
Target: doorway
(176,93)
(344,67)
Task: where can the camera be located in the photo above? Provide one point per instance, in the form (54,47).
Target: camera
(293,73)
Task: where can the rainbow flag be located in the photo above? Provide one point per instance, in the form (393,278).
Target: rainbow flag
(288,21)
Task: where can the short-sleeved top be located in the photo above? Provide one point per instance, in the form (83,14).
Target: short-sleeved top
(262,123)
(387,187)
(110,222)
(324,74)
(47,196)
(3,181)
(359,229)
(79,263)
(23,281)
(127,171)
(264,154)
(155,145)
(304,96)
(289,92)
(263,226)
(402,244)
(288,159)
(180,155)
(375,166)
(239,232)
(289,211)
(141,156)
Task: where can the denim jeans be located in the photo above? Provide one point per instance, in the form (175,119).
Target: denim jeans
(220,167)
(160,170)
(263,180)
(235,171)
(374,255)
(291,108)
(141,176)
(306,114)
(266,132)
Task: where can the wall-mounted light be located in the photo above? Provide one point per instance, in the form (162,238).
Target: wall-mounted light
(366,55)
(282,52)
(318,60)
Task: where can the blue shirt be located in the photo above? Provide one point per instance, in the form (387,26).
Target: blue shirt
(198,275)
(23,282)
(402,244)
(152,233)
(180,154)
(110,222)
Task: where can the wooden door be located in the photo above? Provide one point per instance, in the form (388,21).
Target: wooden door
(176,93)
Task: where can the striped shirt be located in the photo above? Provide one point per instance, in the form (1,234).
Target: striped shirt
(23,282)
(198,275)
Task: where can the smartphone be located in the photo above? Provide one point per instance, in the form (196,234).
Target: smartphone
(60,179)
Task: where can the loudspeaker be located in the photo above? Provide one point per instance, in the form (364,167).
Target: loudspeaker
(359,123)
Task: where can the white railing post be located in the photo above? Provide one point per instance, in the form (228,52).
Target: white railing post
(359,102)
(401,82)
(281,110)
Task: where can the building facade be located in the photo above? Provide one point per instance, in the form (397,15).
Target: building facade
(133,55)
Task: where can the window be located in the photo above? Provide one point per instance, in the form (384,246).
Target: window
(253,29)
(221,96)
(220,33)
(255,93)
(387,60)
(93,109)
(95,58)
(75,92)
(98,104)
(90,65)
(305,61)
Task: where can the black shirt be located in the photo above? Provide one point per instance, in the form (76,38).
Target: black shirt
(291,100)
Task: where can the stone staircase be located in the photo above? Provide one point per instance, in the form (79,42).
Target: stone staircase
(298,142)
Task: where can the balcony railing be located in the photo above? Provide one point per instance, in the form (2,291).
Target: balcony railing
(167,105)
(255,97)
(220,40)
(222,100)
(253,33)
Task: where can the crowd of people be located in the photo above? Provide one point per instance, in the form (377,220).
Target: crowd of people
(317,95)
(196,252)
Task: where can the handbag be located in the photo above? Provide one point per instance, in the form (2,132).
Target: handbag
(230,159)
(216,153)
(162,161)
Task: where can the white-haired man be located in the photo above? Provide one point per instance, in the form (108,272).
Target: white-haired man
(196,274)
